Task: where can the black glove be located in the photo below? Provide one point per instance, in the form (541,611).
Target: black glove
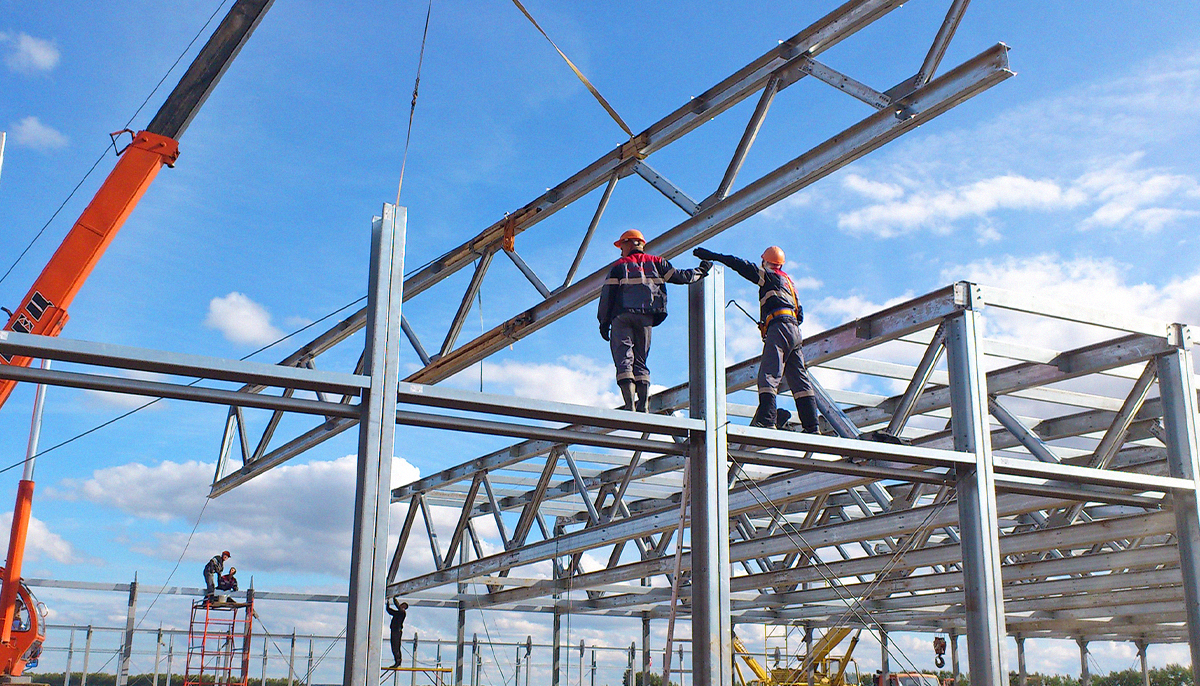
(705,254)
(704,268)
(604,331)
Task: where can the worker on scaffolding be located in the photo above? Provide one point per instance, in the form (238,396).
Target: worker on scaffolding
(780,316)
(213,571)
(228,582)
(398,613)
(632,302)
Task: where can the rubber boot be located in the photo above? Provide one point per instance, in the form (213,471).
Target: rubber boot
(782,417)
(765,416)
(806,408)
(626,393)
(643,396)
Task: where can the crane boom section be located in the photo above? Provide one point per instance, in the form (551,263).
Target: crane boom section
(43,311)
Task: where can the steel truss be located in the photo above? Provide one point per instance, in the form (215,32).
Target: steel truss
(1045,492)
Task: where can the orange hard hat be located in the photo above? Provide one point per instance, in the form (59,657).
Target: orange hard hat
(630,235)
(773,254)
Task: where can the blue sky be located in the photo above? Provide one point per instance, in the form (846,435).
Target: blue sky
(1078,178)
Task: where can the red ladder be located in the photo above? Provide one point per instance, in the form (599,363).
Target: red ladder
(219,644)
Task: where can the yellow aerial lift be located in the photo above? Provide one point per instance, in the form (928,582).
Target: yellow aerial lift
(828,669)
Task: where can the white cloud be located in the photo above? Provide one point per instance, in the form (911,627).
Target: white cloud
(41,542)
(241,320)
(571,379)
(296,517)
(975,200)
(1136,198)
(29,55)
(127,401)
(32,133)
(873,190)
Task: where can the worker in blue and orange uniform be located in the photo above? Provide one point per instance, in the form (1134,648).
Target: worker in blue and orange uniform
(780,316)
(632,302)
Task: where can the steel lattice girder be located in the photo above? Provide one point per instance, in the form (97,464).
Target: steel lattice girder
(779,67)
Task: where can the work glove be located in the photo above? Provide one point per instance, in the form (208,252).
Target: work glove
(705,254)
(604,328)
(704,268)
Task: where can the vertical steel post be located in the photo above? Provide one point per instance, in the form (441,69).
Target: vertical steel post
(1177,388)
(581,649)
(594,667)
(1022,676)
(517,669)
(309,671)
(263,678)
(413,675)
(712,658)
(461,633)
(983,600)
(885,663)
(808,651)
(127,643)
(1085,672)
(1141,650)
(157,655)
(528,658)
(474,659)
(954,654)
(70,654)
(171,659)
(645,648)
(87,654)
(292,661)
(556,649)
(376,439)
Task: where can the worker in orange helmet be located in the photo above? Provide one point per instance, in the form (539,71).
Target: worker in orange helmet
(213,571)
(780,316)
(632,302)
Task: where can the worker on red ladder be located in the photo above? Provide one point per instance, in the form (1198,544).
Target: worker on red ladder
(212,572)
(633,300)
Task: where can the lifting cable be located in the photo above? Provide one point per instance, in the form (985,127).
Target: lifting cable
(112,144)
(595,93)
(853,606)
(412,108)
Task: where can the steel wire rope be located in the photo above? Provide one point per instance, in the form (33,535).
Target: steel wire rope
(112,144)
(192,383)
(854,608)
(271,638)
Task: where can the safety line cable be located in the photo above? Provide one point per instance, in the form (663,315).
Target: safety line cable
(595,93)
(192,383)
(112,144)
(412,109)
(854,607)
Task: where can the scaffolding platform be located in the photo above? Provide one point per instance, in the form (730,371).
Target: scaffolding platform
(219,643)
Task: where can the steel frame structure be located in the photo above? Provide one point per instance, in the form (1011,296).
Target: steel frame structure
(1072,473)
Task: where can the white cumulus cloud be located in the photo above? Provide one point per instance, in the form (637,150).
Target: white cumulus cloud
(32,133)
(241,320)
(41,542)
(571,379)
(936,210)
(29,55)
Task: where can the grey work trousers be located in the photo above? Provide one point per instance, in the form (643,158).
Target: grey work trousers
(783,357)
(629,341)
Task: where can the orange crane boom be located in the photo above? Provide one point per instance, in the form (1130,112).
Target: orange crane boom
(43,311)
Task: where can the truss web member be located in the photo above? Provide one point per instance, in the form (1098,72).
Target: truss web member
(213,571)
(398,613)
(632,302)
(780,316)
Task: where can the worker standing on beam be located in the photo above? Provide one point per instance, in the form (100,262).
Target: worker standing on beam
(780,316)
(213,571)
(632,302)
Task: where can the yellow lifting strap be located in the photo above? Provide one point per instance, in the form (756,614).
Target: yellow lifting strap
(595,93)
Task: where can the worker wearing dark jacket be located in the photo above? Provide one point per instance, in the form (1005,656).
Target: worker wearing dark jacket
(212,572)
(780,316)
(398,614)
(632,302)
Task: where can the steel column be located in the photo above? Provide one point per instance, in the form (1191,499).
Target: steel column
(556,656)
(376,438)
(127,643)
(1141,651)
(1085,672)
(1022,675)
(983,599)
(1176,385)
(711,631)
